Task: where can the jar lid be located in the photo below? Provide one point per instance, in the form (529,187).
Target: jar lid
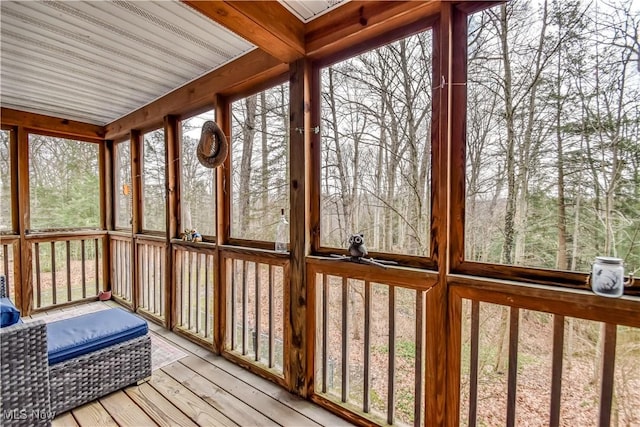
(608,260)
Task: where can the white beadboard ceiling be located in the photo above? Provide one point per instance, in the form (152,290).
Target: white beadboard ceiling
(307,10)
(96,61)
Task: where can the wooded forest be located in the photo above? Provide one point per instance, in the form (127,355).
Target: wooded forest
(553,159)
(552,180)
(553,151)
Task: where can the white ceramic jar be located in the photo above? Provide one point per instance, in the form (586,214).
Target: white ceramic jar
(607,277)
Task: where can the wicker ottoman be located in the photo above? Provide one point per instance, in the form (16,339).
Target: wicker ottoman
(95,354)
(33,390)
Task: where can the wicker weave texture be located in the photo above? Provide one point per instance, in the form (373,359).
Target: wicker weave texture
(24,375)
(88,377)
(4,288)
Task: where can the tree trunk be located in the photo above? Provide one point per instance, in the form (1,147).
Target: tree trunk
(344,187)
(264,165)
(249,130)
(509,217)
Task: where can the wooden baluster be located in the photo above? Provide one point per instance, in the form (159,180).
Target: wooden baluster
(188,299)
(512,380)
(556,370)
(245,324)
(83,255)
(38,283)
(391,393)
(419,362)
(198,258)
(473,363)
(608,372)
(207,294)
(325,332)
(68,253)
(54,296)
(97,256)
(271,318)
(345,339)
(366,399)
(256,344)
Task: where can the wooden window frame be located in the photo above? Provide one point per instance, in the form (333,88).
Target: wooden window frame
(205,237)
(429,262)
(225,214)
(140,199)
(13,178)
(101,186)
(458,263)
(117,184)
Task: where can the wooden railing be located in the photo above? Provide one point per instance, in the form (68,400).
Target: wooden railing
(194,278)
(523,352)
(370,340)
(151,264)
(66,267)
(121,269)
(9,247)
(256,309)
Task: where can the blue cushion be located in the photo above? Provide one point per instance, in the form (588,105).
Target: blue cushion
(73,337)
(9,314)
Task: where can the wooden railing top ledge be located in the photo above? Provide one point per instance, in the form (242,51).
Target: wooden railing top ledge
(410,277)
(558,300)
(65,235)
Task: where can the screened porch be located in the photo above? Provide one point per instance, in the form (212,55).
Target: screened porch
(486,153)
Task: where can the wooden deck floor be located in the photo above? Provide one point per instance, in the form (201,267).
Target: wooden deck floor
(201,389)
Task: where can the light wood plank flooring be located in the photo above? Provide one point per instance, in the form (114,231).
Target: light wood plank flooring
(202,389)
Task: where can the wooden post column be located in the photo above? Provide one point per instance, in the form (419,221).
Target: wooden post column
(172,183)
(23,288)
(136,211)
(454,68)
(299,154)
(436,299)
(106,207)
(223,218)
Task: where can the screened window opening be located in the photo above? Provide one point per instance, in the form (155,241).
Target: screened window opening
(376,148)
(553,120)
(64,183)
(153,181)
(198,191)
(260,163)
(123,189)
(5,182)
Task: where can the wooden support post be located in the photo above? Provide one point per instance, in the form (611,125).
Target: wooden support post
(172,160)
(106,208)
(223,217)
(451,60)
(24,288)
(15,217)
(436,310)
(301,319)
(136,211)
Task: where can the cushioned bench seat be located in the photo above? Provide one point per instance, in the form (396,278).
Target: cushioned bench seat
(75,336)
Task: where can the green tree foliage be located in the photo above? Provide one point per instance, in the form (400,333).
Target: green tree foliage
(123,189)
(153,181)
(5,182)
(64,183)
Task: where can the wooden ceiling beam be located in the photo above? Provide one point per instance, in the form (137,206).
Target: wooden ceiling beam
(48,125)
(255,66)
(268,25)
(357,22)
